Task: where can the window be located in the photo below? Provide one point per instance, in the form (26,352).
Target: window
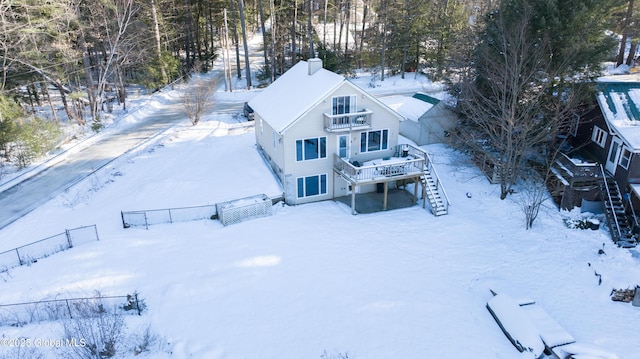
(343,146)
(311,149)
(625,158)
(574,124)
(613,152)
(599,136)
(344,104)
(312,185)
(374,141)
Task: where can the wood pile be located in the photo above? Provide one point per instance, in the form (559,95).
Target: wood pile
(622,295)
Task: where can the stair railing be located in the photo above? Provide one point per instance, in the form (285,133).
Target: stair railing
(410,150)
(613,213)
(434,173)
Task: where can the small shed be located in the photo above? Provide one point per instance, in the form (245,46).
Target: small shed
(427,118)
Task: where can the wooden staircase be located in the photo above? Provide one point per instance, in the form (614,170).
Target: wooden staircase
(433,192)
(620,224)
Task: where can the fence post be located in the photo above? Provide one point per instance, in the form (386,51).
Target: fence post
(146,224)
(68,308)
(19,259)
(124,225)
(95,227)
(137,303)
(68,233)
(170,219)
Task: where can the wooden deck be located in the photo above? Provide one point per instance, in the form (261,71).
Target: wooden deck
(409,164)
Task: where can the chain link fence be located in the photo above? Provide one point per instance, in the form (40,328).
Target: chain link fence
(30,253)
(144,218)
(20,314)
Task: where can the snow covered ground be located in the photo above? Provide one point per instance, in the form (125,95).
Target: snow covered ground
(314,281)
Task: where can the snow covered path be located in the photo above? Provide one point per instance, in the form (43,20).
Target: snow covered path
(69,168)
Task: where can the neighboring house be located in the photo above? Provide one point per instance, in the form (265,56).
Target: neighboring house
(606,163)
(325,137)
(427,119)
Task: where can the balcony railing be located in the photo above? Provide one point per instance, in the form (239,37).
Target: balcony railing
(380,170)
(348,121)
(578,171)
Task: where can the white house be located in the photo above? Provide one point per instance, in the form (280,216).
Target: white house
(325,137)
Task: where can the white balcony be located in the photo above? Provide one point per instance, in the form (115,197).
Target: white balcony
(360,120)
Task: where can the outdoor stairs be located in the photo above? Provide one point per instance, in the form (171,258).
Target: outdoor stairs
(438,202)
(620,224)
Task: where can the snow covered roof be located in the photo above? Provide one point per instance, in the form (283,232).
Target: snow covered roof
(620,106)
(295,92)
(411,108)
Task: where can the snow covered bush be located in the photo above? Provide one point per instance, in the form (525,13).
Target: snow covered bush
(582,223)
(96,331)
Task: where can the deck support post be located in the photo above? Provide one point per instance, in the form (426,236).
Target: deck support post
(386,191)
(415,189)
(353,198)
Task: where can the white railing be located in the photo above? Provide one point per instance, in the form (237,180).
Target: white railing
(379,170)
(438,183)
(348,121)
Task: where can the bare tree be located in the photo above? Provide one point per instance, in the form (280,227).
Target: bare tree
(533,193)
(112,19)
(501,101)
(197,98)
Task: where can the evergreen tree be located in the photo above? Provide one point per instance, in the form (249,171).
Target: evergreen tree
(522,87)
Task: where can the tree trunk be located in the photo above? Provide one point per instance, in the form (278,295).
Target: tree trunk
(405,39)
(65,104)
(312,52)
(625,34)
(264,35)
(247,68)
(234,29)
(90,83)
(227,63)
(347,12)
(294,23)
(384,39)
(365,12)
(273,40)
(156,32)
(188,41)
(632,53)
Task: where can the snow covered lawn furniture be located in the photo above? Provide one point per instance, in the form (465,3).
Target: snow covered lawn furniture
(531,329)
(516,324)
(551,333)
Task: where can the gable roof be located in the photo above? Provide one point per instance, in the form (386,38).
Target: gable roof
(293,93)
(410,108)
(620,106)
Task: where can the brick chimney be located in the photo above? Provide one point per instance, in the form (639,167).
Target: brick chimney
(314,65)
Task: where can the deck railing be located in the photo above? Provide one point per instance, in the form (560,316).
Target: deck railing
(379,170)
(579,171)
(348,121)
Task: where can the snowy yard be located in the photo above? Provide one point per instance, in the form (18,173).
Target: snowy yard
(314,279)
